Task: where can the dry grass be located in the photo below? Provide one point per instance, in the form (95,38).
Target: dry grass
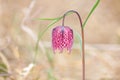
(18,35)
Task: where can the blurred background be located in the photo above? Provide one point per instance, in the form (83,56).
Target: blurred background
(19,29)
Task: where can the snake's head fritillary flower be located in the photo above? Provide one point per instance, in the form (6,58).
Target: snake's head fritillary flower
(62,38)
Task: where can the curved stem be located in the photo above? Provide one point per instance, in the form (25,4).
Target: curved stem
(82,34)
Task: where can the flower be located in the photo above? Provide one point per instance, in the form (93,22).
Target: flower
(62,38)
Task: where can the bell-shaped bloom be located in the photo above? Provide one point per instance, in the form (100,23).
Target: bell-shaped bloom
(62,38)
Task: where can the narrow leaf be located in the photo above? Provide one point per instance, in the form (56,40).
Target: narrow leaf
(53,18)
(79,38)
(49,18)
(91,11)
(41,34)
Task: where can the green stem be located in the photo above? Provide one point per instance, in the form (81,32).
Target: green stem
(55,20)
(82,33)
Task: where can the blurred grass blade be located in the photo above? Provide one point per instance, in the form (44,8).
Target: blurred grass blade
(91,11)
(50,58)
(5,61)
(3,68)
(53,18)
(50,75)
(79,38)
(49,18)
(52,23)
(41,34)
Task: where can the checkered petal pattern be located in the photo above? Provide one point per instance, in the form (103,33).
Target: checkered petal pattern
(62,38)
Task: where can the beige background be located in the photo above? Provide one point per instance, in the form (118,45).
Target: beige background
(102,27)
(19,31)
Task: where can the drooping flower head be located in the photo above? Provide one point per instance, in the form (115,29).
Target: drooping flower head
(62,38)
